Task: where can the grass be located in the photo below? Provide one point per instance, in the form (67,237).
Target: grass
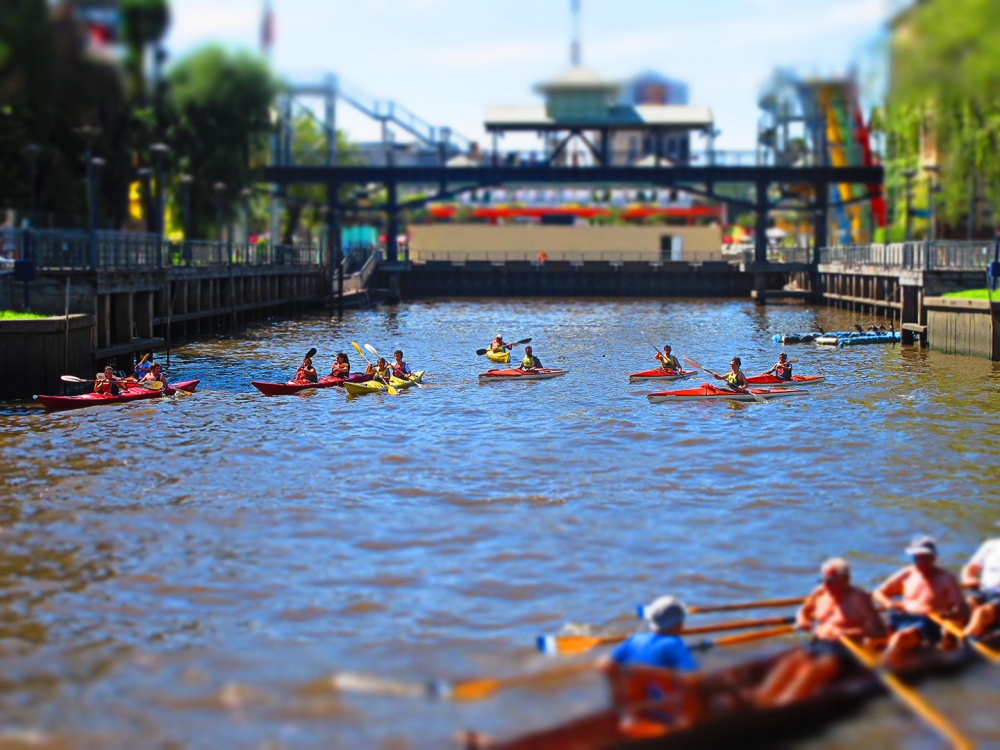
(972,294)
(14,315)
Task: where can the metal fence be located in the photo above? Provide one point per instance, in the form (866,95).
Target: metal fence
(72,250)
(776,254)
(936,255)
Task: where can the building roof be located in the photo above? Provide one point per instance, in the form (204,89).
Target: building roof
(577,79)
(647,116)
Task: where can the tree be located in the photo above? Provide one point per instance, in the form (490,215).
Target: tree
(219,112)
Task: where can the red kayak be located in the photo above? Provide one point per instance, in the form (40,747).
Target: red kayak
(134,393)
(294,386)
(708,392)
(796,380)
(540,373)
(659,374)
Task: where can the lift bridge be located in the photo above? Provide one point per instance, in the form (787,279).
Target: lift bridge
(448,165)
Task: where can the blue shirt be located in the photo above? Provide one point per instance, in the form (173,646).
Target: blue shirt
(655,650)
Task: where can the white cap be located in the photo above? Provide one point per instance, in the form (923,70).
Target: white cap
(666,613)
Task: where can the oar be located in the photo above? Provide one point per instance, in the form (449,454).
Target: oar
(481,352)
(990,653)
(908,695)
(153,385)
(763,603)
(389,386)
(578,644)
(698,366)
(470,690)
(371,348)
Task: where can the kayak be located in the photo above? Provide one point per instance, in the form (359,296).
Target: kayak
(708,392)
(856,339)
(374,386)
(805,338)
(501,357)
(135,393)
(660,374)
(542,373)
(796,380)
(294,386)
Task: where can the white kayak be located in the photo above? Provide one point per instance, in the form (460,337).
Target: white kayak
(708,392)
(542,373)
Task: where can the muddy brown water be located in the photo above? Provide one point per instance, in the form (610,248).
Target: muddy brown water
(188,572)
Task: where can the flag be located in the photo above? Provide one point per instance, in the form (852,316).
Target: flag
(267,28)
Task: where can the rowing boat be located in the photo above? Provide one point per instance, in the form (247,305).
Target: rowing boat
(729,713)
(132,393)
(708,392)
(374,386)
(796,380)
(294,386)
(542,373)
(500,357)
(660,374)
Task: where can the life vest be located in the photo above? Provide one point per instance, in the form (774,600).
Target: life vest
(400,370)
(669,362)
(382,374)
(531,362)
(733,379)
(783,371)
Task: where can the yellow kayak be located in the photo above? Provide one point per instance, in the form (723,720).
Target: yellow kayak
(374,386)
(498,356)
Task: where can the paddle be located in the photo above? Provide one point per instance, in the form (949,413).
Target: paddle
(481,352)
(389,386)
(371,348)
(578,644)
(152,385)
(698,366)
(908,695)
(763,603)
(990,653)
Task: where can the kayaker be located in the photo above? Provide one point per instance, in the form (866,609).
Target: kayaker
(341,367)
(380,370)
(143,368)
(922,588)
(306,371)
(155,374)
(399,368)
(667,360)
(735,379)
(833,610)
(498,345)
(982,573)
(782,368)
(106,382)
(530,361)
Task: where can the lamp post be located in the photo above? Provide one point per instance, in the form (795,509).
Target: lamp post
(160,152)
(89,134)
(31,151)
(186,180)
(145,176)
(933,188)
(908,175)
(245,195)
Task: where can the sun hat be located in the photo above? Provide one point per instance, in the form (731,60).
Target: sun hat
(922,545)
(664,614)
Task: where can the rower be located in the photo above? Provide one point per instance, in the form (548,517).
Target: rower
(106,382)
(380,370)
(155,374)
(530,361)
(982,573)
(498,344)
(924,588)
(399,368)
(735,379)
(341,367)
(782,368)
(306,371)
(662,647)
(667,360)
(833,610)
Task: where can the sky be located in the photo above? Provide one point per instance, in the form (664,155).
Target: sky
(448,60)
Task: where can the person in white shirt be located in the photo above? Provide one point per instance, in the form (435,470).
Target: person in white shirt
(983,572)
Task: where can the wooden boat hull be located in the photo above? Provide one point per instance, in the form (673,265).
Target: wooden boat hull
(743,726)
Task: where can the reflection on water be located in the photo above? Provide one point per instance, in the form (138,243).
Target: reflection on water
(189,570)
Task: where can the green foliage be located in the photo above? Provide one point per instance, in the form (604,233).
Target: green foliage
(144,22)
(947,88)
(219,110)
(973,294)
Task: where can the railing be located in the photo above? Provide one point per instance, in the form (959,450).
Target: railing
(776,254)
(71,250)
(936,255)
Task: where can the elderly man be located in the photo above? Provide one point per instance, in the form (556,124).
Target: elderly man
(982,572)
(922,588)
(835,609)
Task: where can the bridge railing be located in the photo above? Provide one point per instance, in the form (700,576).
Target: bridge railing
(777,254)
(936,255)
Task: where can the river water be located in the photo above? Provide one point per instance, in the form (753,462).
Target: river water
(189,572)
